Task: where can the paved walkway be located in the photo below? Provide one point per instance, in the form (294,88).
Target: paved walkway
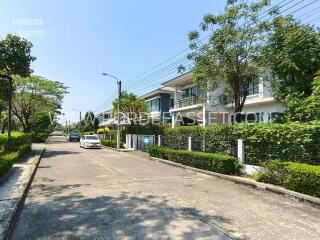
(103,194)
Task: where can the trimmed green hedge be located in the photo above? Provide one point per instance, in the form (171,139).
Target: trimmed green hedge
(111,143)
(298,177)
(144,129)
(7,159)
(295,142)
(207,161)
(18,139)
(20,145)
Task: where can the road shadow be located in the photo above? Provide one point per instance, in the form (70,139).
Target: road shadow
(55,153)
(53,214)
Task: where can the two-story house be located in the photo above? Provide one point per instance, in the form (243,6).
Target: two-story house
(159,102)
(106,119)
(210,107)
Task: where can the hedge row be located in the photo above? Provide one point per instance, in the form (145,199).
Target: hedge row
(7,159)
(298,177)
(207,161)
(111,143)
(144,129)
(17,139)
(297,142)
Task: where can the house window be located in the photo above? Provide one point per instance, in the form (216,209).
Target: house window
(153,105)
(253,88)
(190,92)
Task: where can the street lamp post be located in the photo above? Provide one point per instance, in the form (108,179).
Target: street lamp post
(119,106)
(80,118)
(9,78)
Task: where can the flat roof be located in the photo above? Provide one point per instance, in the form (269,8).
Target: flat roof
(180,80)
(157,91)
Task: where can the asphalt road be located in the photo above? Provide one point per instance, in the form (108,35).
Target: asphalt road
(103,194)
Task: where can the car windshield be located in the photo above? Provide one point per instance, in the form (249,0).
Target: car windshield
(74,135)
(91,138)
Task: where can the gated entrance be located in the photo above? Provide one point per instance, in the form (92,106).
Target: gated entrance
(140,142)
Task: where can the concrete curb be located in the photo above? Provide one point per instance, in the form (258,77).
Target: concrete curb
(248,182)
(19,200)
(118,150)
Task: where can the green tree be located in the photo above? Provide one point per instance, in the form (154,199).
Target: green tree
(36,95)
(15,56)
(15,59)
(131,106)
(89,124)
(293,54)
(231,56)
(301,108)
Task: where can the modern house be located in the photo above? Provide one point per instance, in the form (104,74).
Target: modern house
(106,119)
(214,108)
(159,102)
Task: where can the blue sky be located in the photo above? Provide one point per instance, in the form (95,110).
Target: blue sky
(76,40)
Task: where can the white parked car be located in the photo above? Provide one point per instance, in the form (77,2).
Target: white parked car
(90,141)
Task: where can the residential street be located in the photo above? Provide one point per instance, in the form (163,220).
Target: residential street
(104,194)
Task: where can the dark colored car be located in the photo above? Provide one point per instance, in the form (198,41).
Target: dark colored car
(74,137)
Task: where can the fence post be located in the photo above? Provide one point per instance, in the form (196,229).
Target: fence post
(127,141)
(159,140)
(134,145)
(241,156)
(189,144)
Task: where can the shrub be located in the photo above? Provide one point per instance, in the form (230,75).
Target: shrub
(7,159)
(103,130)
(40,137)
(144,129)
(111,143)
(207,161)
(17,140)
(298,177)
(295,142)
(303,178)
(274,172)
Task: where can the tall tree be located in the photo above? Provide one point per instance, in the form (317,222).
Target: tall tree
(131,106)
(15,56)
(230,58)
(293,53)
(15,59)
(90,123)
(34,95)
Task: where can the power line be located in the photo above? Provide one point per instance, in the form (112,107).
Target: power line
(130,82)
(168,70)
(138,81)
(142,81)
(299,9)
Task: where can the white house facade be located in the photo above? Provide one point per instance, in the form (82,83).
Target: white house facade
(208,108)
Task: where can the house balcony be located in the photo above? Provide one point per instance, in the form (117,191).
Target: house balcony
(186,103)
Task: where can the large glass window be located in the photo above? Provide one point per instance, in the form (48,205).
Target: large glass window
(253,88)
(153,105)
(190,92)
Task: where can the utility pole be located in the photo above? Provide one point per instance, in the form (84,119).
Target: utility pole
(119,107)
(119,113)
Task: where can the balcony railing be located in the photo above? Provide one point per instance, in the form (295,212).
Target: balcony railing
(186,102)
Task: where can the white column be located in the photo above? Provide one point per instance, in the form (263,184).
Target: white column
(176,98)
(173,119)
(189,144)
(241,156)
(204,115)
(127,141)
(134,145)
(159,140)
(261,88)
